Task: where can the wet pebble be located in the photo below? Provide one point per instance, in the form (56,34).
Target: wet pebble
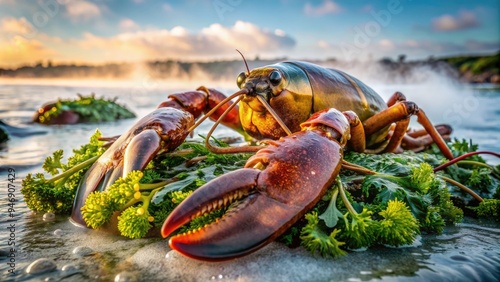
(82,251)
(125,277)
(49,216)
(58,232)
(69,270)
(41,265)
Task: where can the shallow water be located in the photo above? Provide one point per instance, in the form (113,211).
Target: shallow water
(469,251)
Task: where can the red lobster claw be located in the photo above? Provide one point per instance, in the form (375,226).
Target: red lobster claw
(162,130)
(298,171)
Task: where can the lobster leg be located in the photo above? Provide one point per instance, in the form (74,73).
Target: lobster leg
(397,135)
(395,98)
(443,129)
(399,112)
(413,140)
(418,140)
(357,141)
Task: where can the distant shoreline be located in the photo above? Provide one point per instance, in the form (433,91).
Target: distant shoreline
(468,69)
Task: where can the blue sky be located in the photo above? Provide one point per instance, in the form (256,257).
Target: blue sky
(97,31)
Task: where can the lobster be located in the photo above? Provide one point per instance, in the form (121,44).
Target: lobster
(328,110)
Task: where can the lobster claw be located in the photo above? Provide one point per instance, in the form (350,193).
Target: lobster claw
(263,203)
(162,130)
(255,221)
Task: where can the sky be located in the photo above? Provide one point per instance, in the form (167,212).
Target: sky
(103,31)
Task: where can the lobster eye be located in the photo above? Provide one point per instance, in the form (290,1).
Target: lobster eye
(275,77)
(240,80)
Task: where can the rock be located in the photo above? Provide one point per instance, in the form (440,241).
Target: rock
(69,270)
(49,216)
(41,265)
(125,277)
(82,251)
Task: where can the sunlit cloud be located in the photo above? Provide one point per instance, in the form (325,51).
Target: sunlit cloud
(178,42)
(19,26)
(19,50)
(386,44)
(327,7)
(128,25)
(97,31)
(464,20)
(214,41)
(82,10)
(322,44)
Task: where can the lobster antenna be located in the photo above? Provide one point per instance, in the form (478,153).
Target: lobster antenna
(244,60)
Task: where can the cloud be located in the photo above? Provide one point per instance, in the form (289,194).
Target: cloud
(20,50)
(128,25)
(464,20)
(415,49)
(19,26)
(322,44)
(386,44)
(327,7)
(213,41)
(167,8)
(82,10)
(474,45)
(424,47)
